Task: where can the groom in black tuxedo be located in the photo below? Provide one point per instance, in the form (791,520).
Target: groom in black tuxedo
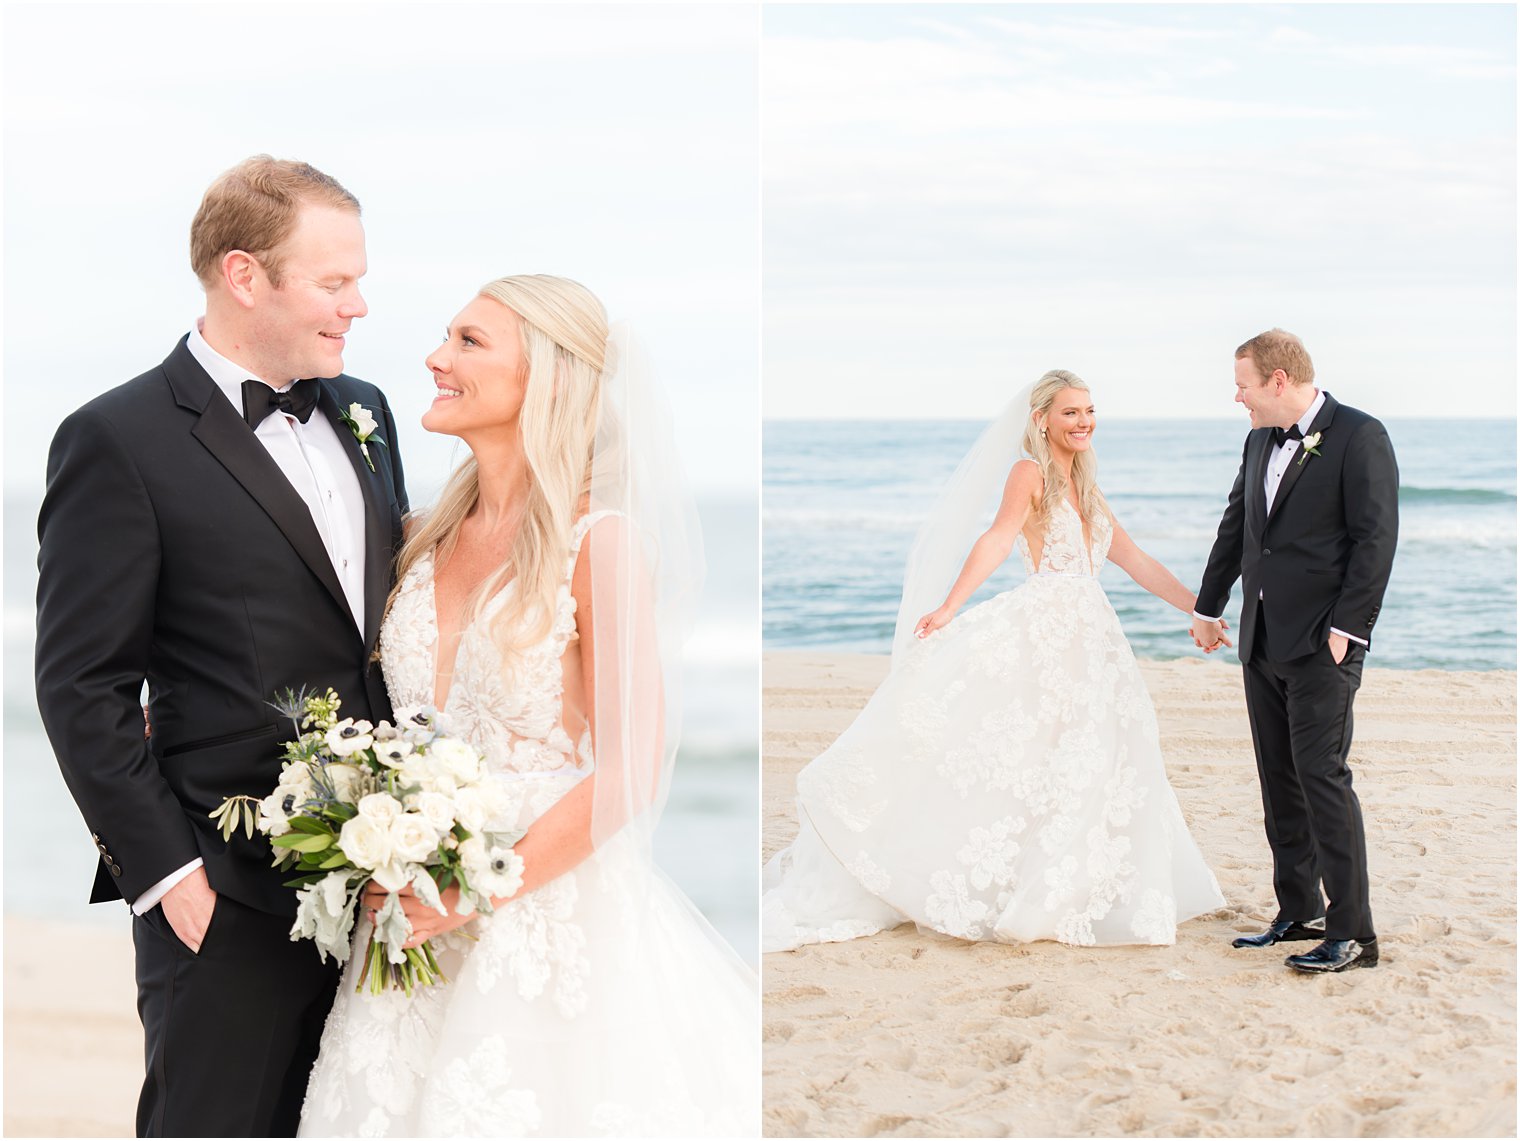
(1310,530)
(217,531)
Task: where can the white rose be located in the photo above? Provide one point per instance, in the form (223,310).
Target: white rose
(349,736)
(429,773)
(296,778)
(347,781)
(363,417)
(366,841)
(458,758)
(471,808)
(472,856)
(413,838)
(380,807)
(437,809)
(498,797)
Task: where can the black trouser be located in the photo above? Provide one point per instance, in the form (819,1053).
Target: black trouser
(1300,714)
(232,1032)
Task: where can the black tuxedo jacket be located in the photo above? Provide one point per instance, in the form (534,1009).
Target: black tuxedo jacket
(173,549)
(1322,556)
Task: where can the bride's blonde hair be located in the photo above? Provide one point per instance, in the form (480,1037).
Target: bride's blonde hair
(563,331)
(1084,465)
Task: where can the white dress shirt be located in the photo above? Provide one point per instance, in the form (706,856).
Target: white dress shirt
(313,459)
(1277,467)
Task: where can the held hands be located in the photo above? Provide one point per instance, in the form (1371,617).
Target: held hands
(426,922)
(1209,636)
(933,621)
(188,906)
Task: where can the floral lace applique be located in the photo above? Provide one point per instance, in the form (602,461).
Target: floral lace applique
(474,1097)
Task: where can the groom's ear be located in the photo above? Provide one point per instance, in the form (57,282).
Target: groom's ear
(238,272)
(1280,380)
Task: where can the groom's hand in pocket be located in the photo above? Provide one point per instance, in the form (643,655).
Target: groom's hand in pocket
(188,906)
(1339,644)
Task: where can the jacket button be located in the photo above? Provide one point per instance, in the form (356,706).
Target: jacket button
(115,869)
(1266,550)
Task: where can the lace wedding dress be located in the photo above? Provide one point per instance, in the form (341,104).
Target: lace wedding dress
(1004,783)
(598,1005)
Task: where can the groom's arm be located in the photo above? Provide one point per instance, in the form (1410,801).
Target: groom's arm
(1223,567)
(98,568)
(1370,497)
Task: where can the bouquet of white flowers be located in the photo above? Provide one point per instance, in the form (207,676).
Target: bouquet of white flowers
(398,804)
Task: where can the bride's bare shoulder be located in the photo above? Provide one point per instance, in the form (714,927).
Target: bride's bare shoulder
(1025,476)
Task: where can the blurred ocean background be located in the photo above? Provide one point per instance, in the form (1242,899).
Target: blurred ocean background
(843,500)
(706,840)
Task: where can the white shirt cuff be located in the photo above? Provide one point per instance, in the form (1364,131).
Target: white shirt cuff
(1353,637)
(1206,618)
(149,899)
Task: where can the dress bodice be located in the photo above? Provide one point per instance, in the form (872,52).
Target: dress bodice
(517,723)
(1064,550)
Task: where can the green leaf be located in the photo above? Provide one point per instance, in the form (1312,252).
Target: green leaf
(248,815)
(300,842)
(302,881)
(336,860)
(310,826)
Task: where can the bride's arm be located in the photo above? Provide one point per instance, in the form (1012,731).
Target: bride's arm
(560,839)
(1124,553)
(992,547)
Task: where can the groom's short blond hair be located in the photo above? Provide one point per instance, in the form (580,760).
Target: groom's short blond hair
(1278,349)
(253,207)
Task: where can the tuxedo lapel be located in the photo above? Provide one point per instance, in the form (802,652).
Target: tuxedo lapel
(1295,470)
(1256,479)
(225,434)
(376,526)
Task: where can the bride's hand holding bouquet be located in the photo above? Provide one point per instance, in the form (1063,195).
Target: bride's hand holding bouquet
(395,812)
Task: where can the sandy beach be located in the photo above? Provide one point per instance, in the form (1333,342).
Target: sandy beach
(73,1045)
(911,1034)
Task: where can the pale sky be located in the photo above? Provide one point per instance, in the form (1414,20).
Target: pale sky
(960,197)
(616,145)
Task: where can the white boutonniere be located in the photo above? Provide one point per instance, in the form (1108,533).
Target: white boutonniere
(361,422)
(1310,447)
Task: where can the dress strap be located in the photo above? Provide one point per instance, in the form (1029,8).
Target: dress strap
(578,534)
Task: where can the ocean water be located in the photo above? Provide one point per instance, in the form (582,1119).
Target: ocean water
(707,838)
(843,501)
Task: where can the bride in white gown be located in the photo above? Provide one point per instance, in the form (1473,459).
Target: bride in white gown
(535,610)
(1006,781)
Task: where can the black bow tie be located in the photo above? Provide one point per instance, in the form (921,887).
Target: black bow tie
(259,400)
(1282,435)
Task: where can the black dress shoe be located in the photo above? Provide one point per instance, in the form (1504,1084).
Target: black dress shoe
(1281,931)
(1335,955)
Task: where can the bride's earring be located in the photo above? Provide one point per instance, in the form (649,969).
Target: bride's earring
(1043,434)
